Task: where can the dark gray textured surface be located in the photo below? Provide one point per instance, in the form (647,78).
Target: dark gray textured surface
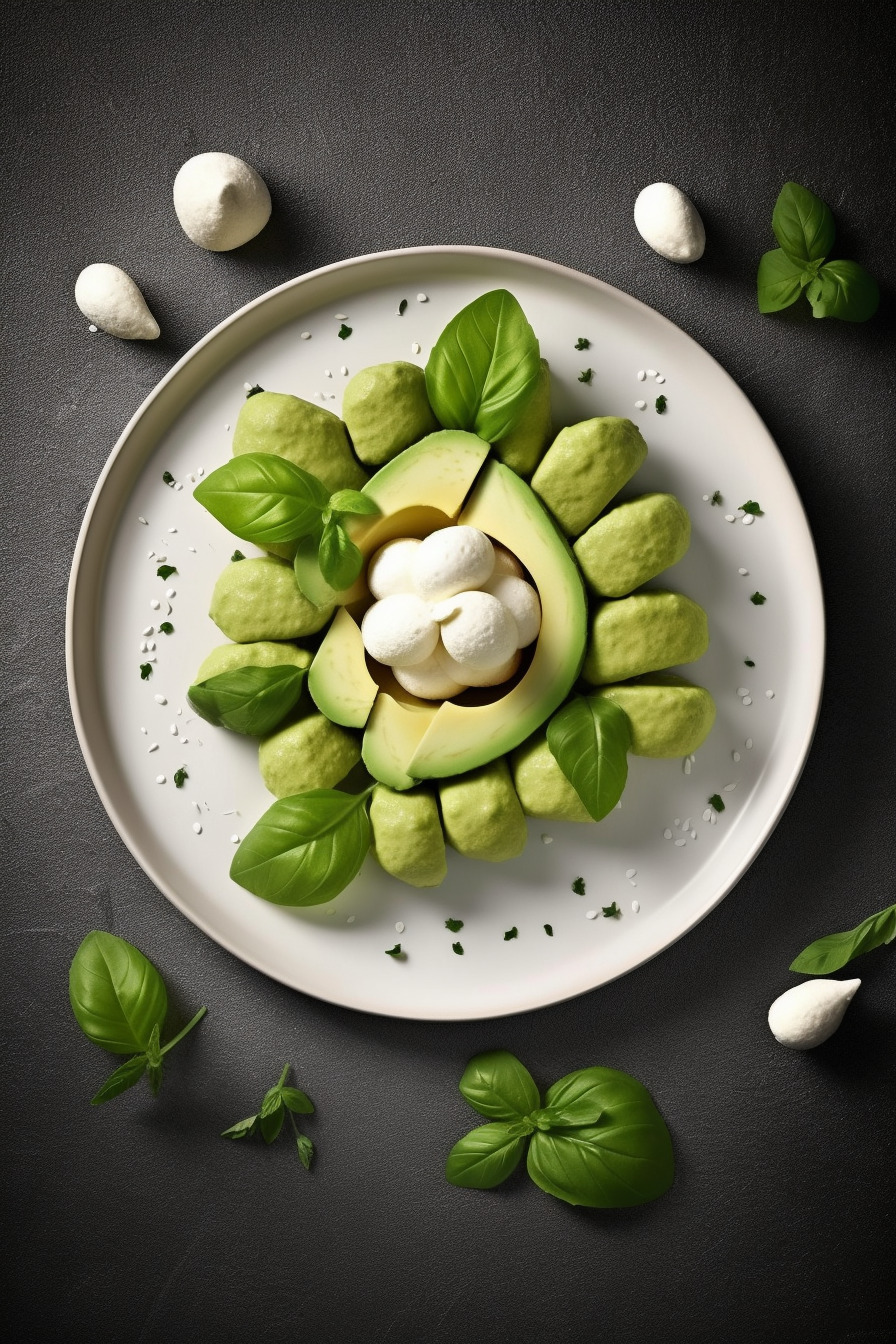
(528,126)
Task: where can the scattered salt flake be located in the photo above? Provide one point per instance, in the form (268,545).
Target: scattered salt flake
(170,592)
(226,426)
(636,906)
(161,559)
(328,373)
(660,378)
(749,744)
(150,554)
(679,843)
(769,695)
(340,317)
(640,405)
(160,700)
(141,519)
(154,747)
(735,756)
(150,658)
(144,647)
(304,335)
(247,387)
(143,731)
(173,730)
(344,371)
(729,788)
(399,927)
(197,827)
(160,779)
(707,814)
(234,839)
(686,765)
(192,548)
(748,519)
(687,825)
(631,872)
(178,486)
(693,835)
(743,690)
(591,914)
(729,517)
(678,821)
(713,819)
(651,373)
(148,630)
(667,834)
(179,710)
(350,920)
(415,348)
(92,327)
(184,741)
(743,572)
(547,839)
(155,604)
(706,499)
(150,645)
(641,375)
(423,298)
(747,700)
(200,471)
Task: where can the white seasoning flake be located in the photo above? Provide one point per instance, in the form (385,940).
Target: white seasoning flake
(743,572)
(641,375)
(178,486)
(197,827)
(748,519)
(144,731)
(679,843)
(660,378)
(141,519)
(707,814)
(304,335)
(92,328)
(150,554)
(651,373)
(693,835)
(192,548)
(160,779)
(747,700)
(340,317)
(729,788)
(749,744)
(423,298)
(547,839)
(713,819)
(170,592)
(350,920)
(200,471)
(706,499)
(769,695)
(160,700)
(247,387)
(686,826)
(743,690)
(173,730)
(184,741)
(234,839)
(640,405)
(150,658)
(148,630)
(144,647)
(227,427)
(161,559)
(735,756)
(631,872)
(636,906)
(399,927)
(328,373)
(667,834)
(686,765)
(591,914)
(154,747)
(415,348)
(729,517)
(344,371)
(150,645)
(172,529)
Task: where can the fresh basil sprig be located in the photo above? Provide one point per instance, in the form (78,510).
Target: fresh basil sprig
(589,738)
(249,700)
(837,949)
(598,1141)
(120,1002)
(305,849)
(263,498)
(804,227)
(484,367)
(278,1102)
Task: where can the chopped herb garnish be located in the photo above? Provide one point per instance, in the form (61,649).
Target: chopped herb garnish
(716,497)
(166,628)
(578,886)
(511,933)
(237,555)
(716,801)
(145,671)
(751,507)
(165,571)
(757,599)
(402,308)
(748,662)
(167,478)
(586,375)
(583,343)
(611,911)
(456,947)
(548,928)
(394,951)
(660,404)
(179,777)
(455,925)
(344,332)
(253,391)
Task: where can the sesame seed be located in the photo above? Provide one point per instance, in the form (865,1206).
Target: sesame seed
(660,378)
(769,695)
(749,744)
(547,839)
(160,700)
(247,387)
(144,647)
(705,499)
(304,335)
(150,645)
(184,741)
(350,920)
(344,371)
(687,825)
(150,658)
(707,814)
(160,779)
(170,592)
(591,914)
(667,834)
(735,756)
(636,906)
(399,927)
(748,519)
(693,835)
(640,405)
(713,819)
(173,730)
(143,731)
(747,700)
(197,828)
(729,788)
(742,690)
(192,548)
(226,426)
(178,485)
(729,517)
(161,559)
(651,373)
(340,317)
(328,373)
(641,375)
(743,572)
(631,872)
(200,471)
(423,298)
(679,843)
(415,349)
(154,747)
(686,765)
(141,519)
(148,630)
(234,839)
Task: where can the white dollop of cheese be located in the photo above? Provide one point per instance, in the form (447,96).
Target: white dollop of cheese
(221,201)
(669,223)
(399,630)
(506,563)
(452,560)
(109,297)
(521,600)
(492,676)
(389,570)
(429,680)
(809,1013)
(477,630)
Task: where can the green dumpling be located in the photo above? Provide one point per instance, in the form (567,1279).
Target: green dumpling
(407,835)
(482,815)
(541,785)
(386,409)
(263,653)
(258,599)
(307,435)
(633,543)
(585,466)
(309,752)
(668,715)
(643,633)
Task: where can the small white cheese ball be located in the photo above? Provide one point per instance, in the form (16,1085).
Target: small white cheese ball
(452,560)
(669,223)
(220,201)
(428,680)
(477,630)
(108,296)
(491,677)
(521,600)
(506,563)
(809,1013)
(399,630)
(389,570)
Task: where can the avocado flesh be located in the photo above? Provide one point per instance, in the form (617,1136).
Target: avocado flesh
(669,716)
(541,785)
(393,731)
(643,633)
(633,543)
(339,682)
(481,814)
(258,599)
(462,737)
(263,653)
(386,409)
(307,435)
(309,752)
(584,468)
(407,835)
(523,448)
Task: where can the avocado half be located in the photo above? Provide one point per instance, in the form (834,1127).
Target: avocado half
(447,478)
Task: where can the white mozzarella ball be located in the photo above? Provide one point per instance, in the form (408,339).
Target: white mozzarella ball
(389,570)
(429,680)
(477,630)
(492,677)
(669,223)
(506,562)
(221,201)
(452,560)
(108,296)
(521,600)
(808,1014)
(399,630)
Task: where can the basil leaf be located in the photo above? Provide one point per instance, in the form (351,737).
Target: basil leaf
(263,498)
(125,1076)
(802,224)
(271,1124)
(353,502)
(339,558)
(272,1103)
(496,1084)
(306,567)
(830,953)
(576,1099)
(306,1150)
(485,1157)
(242,1129)
(248,700)
(295,1100)
(589,738)
(116,994)
(305,849)
(624,1160)
(779,281)
(844,289)
(484,368)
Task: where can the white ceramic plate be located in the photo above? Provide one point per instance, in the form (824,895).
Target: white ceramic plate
(658,857)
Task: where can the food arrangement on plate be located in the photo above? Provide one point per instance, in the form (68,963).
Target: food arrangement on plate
(461,639)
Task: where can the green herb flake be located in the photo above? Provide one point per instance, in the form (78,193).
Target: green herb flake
(583,343)
(457,949)
(254,390)
(394,951)
(586,375)
(237,555)
(167,478)
(402,308)
(145,671)
(454,925)
(179,777)
(748,662)
(660,404)
(549,930)
(757,599)
(578,886)
(751,507)
(715,800)
(716,497)
(611,911)
(165,571)
(166,628)
(511,933)
(344,332)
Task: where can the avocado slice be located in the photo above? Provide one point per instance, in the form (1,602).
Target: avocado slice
(633,543)
(644,633)
(393,731)
(339,682)
(263,653)
(307,435)
(258,599)
(541,785)
(308,752)
(407,835)
(669,715)
(523,448)
(386,409)
(585,466)
(482,815)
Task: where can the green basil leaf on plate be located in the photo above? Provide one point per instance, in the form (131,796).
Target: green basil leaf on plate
(248,700)
(339,558)
(125,1076)
(484,368)
(310,580)
(353,502)
(497,1085)
(589,738)
(486,1156)
(844,289)
(779,281)
(116,993)
(263,498)
(837,949)
(803,224)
